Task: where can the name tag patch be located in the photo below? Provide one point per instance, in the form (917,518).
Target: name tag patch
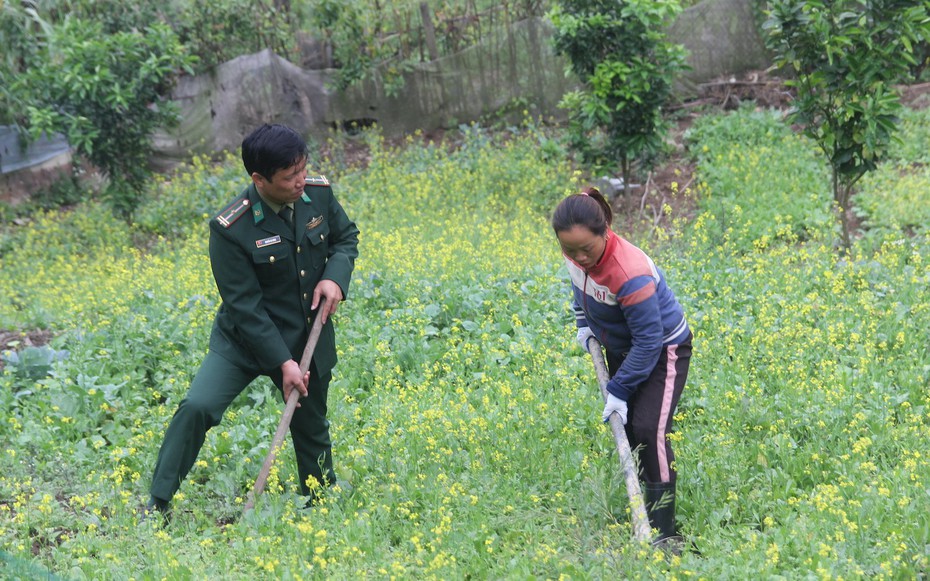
(268,241)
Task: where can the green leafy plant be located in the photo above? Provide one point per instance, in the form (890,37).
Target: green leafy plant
(222,30)
(33,362)
(846,57)
(105,93)
(759,143)
(354,33)
(20,27)
(627,64)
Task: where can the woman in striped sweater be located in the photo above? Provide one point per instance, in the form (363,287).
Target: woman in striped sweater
(622,299)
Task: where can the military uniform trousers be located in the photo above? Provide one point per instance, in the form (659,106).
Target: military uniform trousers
(214,388)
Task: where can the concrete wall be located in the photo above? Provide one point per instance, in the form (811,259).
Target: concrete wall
(514,69)
(510,71)
(722,38)
(26,171)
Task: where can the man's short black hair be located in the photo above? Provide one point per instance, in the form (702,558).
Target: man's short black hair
(271,148)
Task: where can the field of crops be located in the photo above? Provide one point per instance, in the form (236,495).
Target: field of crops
(463,414)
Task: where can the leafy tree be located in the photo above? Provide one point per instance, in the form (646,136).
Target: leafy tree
(353,32)
(846,56)
(113,15)
(105,93)
(221,30)
(19,28)
(620,51)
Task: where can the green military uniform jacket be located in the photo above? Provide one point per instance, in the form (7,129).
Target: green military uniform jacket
(266,272)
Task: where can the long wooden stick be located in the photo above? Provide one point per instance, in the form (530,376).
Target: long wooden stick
(285,422)
(642,531)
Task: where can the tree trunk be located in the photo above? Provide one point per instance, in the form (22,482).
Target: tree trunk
(429,31)
(625,171)
(841,195)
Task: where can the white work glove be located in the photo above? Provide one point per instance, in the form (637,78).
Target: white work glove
(582,337)
(614,404)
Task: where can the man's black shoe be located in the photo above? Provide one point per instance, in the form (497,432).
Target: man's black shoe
(156,507)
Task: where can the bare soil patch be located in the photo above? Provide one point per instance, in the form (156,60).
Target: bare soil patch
(20,339)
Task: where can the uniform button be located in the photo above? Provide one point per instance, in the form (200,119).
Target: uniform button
(309,321)
(305,296)
(322,236)
(303,272)
(271,259)
(298,250)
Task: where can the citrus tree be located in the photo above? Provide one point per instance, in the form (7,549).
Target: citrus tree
(107,94)
(846,57)
(619,50)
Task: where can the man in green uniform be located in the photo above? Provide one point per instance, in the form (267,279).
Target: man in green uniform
(276,251)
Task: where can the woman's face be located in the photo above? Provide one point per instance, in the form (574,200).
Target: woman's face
(582,245)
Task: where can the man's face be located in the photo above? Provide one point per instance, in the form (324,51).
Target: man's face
(285,186)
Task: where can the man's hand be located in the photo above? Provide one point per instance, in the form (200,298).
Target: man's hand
(614,404)
(333,295)
(291,380)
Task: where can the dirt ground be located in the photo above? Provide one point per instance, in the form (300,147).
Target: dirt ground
(644,203)
(17,340)
(721,94)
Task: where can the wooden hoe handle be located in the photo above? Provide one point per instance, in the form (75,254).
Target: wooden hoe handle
(285,422)
(642,531)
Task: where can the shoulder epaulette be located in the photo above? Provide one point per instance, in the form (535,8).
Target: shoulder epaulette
(319,180)
(232,213)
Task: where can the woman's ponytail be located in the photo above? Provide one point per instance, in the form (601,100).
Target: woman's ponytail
(589,209)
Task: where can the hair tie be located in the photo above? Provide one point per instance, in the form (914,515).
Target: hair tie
(584,193)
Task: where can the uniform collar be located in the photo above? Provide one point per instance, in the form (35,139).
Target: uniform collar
(273,206)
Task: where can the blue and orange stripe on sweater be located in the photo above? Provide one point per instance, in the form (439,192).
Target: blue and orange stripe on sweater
(627,304)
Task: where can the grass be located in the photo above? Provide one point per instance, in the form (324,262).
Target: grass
(463,414)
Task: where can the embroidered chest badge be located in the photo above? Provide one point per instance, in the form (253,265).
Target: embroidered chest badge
(314,222)
(268,241)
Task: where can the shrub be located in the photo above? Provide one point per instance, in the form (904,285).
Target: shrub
(105,93)
(621,54)
(846,56)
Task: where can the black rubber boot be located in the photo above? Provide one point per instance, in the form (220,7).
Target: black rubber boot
(660,506)
(156,506)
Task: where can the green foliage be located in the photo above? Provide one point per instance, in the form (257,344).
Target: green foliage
(186,199)
(804,353)
(742,156)
(113,15)
(105,93)
(32,363)
(913,145)
(354,32)
(892,197)
(20,25)
(847,56)
(221,30)
(59,250)
(621,53)
(214,32)
(462,411)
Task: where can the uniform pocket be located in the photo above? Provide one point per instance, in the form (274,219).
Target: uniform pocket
(318,237)
(272,263)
